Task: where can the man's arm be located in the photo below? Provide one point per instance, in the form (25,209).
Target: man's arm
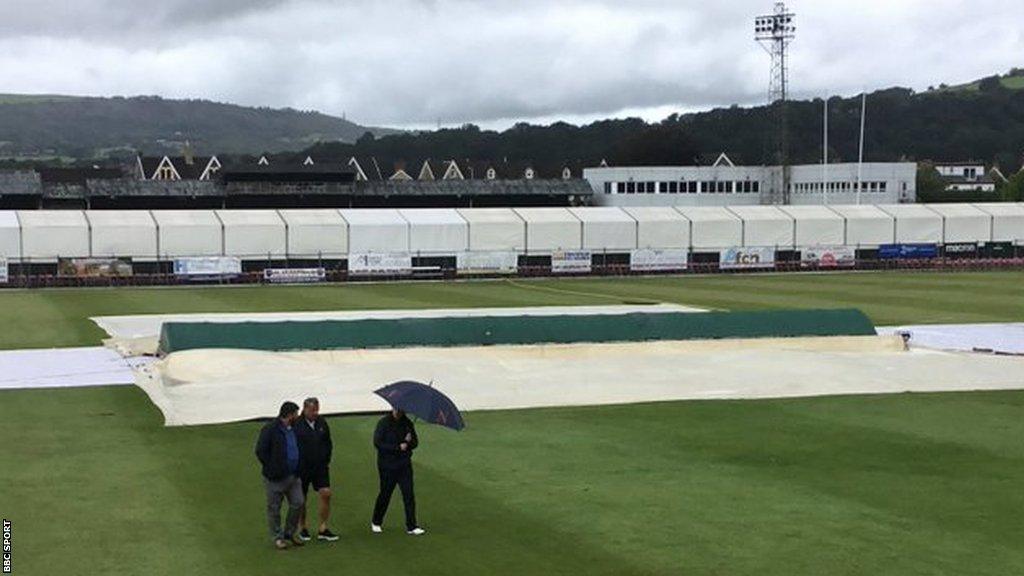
(414,440)
(328,443)
(263,446)
(378,439)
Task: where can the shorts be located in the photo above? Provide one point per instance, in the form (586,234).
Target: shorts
(319,478)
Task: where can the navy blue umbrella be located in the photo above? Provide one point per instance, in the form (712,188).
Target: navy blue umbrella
(426,402)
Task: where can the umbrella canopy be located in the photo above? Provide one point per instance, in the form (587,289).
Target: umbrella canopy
(426,402)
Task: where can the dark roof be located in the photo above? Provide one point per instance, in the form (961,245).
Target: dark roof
(77,175)
(152,188)
(981,179)
(20,182)
(289,173)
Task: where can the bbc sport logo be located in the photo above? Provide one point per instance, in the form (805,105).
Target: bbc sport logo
(8,563)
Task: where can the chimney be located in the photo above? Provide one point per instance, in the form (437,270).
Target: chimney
(186,151)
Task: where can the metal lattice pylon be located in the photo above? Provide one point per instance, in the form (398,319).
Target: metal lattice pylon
(774,33)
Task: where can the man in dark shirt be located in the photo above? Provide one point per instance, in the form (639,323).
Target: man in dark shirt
(395,439)
(278,452)
(315,449)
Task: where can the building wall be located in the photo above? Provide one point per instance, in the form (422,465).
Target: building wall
(883,183)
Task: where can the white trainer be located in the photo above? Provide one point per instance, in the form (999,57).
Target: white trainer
(416,532)
(376,529)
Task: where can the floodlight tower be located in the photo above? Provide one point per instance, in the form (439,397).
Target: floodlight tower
(774,33)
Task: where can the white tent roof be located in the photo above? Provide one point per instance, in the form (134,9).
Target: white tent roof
(765,226)
(253,234)
(660,227)
(123,233)
(189,233)
(964,223)
(10,234)
(437,230)
(713,227)
(866,225)
(915,223)
(494,229)
(816,225)
(315,233)
(550,229)
(1007,221)
(606,228)
(50,234)
(380,231)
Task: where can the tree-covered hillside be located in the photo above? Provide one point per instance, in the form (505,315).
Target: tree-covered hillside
(95,127)
(984,123)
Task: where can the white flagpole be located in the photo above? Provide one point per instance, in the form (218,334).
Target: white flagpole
(860,159)
(824,158)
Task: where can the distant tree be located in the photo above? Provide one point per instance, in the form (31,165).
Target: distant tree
(1013,190)
(929,182)
(990,84)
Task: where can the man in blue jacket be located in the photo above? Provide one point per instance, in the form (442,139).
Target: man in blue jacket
(395,439)
(278,452)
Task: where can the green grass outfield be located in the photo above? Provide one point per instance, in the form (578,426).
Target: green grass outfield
(904,484)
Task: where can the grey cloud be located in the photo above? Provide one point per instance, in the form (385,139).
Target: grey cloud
(411,62)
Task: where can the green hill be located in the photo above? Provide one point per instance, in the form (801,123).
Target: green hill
(53,125)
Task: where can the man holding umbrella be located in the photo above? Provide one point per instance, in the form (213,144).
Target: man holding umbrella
(395,439)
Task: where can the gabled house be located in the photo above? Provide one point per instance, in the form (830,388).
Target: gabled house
(968,176)
(176,168)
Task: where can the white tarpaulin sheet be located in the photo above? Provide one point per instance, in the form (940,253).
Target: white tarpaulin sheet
(660,227)
(436,231)
(550,229)
(713,228)
(1007,221)
(765,226)
(495,229)
(10,234)
(65,368)
(186,233)
(915,224)
(253,234)
(1001,338)
(52,234)
(964,223)
(122,234)
(816,226)
(606,229)
(316,233)
(376,231)
(866,225)
(212,386)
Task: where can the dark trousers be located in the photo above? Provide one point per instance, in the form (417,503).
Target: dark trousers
(389,478)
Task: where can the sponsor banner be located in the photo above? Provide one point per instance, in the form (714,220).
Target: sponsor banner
(208,267)
(658,260)
(4,274)
(739,258)
(961,250)
(571,262)
(908,251)
(94,267)
(397,263)
(999,250)
(829,256)
(487,262)
(294,275)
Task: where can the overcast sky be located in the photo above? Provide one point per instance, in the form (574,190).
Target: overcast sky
(412,63)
